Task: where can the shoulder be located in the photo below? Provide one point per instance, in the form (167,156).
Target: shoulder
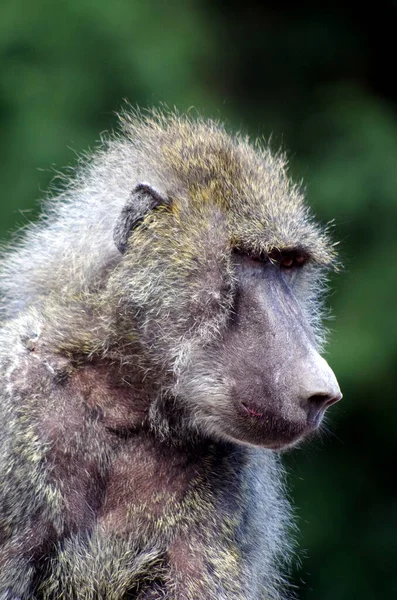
(27,366)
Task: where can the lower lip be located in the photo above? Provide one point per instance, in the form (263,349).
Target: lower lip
(251,411)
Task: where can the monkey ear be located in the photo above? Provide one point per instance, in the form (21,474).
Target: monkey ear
(143,199)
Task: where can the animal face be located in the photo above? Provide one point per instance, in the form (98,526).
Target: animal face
(223,295)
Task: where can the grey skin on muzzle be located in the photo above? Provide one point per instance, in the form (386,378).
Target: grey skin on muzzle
(279,383)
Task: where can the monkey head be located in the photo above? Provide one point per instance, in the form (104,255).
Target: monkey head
(219,285)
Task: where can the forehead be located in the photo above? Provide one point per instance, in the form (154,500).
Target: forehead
(247,184)
(263,209)
(260,219)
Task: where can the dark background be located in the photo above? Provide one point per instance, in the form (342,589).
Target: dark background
(319,77)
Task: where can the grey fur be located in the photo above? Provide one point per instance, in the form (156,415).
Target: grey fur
(153,354)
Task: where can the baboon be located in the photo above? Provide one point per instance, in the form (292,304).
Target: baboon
(160,344)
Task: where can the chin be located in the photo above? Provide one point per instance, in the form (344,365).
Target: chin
(270,431)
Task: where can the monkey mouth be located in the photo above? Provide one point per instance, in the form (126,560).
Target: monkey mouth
(251,411)
(270,430)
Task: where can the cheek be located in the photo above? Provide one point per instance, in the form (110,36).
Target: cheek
(211,298)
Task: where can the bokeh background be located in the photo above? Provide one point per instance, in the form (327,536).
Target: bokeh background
(320,78)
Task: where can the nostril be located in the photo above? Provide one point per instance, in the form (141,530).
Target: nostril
(333,399)
(326,400)
(318,403)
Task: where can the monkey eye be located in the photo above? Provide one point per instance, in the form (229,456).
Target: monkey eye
(288,259)
(285,259)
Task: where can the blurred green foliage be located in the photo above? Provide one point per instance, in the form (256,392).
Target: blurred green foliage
(319,78)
